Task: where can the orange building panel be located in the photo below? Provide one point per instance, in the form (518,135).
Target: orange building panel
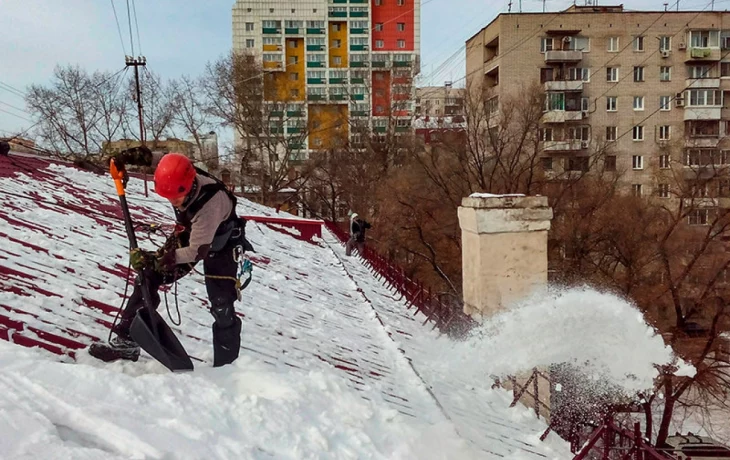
(288,85)
(327,126)
(338,47)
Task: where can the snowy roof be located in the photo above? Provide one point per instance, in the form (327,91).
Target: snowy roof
(333,364)
(438,122)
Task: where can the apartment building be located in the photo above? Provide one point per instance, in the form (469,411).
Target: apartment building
(439,101)
(333,64)
(650,91)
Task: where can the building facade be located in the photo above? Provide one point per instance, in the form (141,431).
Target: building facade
(649,91)
(439,101)
(333,64)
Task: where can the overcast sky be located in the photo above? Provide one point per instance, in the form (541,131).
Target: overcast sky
(178,37)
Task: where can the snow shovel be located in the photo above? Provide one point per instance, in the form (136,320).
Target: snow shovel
(148,328)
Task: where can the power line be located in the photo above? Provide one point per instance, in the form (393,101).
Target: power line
(129,21)
(16,115)
(14,107)
(12,90)
(136,25)
(119,28)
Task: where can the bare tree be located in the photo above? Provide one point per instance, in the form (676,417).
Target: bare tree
(78,113)
(188,108)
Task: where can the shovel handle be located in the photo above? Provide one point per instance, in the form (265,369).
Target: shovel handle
(117,176)
(118,181)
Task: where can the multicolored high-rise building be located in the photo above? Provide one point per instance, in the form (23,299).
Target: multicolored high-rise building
(335,64)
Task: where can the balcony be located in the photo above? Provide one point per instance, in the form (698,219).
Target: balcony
(561,116)
(292,31)
(703,54)
(358,31)
(571,145)
(271,30)
(316,97)
(315,64)
(702,113)
(692,83)
(401,63)
(563,56)
(563,85)
(315,31)
(358,14)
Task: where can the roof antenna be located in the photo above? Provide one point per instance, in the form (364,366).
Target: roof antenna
(509,6)
(665,6)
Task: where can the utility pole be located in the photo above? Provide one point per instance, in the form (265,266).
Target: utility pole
(136,63)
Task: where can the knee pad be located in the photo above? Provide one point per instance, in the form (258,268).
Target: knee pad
(224,315)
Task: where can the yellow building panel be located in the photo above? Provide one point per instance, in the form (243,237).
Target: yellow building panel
(288,85)
(327,126)
(338,44)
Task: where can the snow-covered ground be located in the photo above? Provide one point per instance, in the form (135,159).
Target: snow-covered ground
(333,364)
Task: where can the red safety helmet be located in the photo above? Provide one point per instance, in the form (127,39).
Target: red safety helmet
(174,176)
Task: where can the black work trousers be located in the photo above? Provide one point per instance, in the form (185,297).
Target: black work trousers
(222,293)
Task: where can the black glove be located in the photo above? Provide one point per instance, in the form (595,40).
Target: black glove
(137,156)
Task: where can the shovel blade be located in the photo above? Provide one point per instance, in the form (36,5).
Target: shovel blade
(155,337)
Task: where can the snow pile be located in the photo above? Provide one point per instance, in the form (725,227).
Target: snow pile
(600,333)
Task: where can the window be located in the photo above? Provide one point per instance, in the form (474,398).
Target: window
(547,163)
(725,69)
(546,44)
(269,24)
(294,76)
(636,189)
(705,97)
(250,43)
(578,74)
(294,92)
(379,109)
(639,43)
(336,60)
(638,102)
(662,190)
(378,26)
(555,101)
(665,132)
(293,60)
(609,164)
(293,43)
(637,162)
(638,73)
(704,38)
(698,217)
(664,161)
(610,133)
(638,133)
(336,27)
(577,164)
(401,27)
(577,43)
(665,73)
(665,43)
(378,2)
(401,2)
(337,43)
(249,27)
(612,74)
(612,45)
(611,104)
(547,134)
(315,24)
(700,71)
(401,43)
(665,103)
